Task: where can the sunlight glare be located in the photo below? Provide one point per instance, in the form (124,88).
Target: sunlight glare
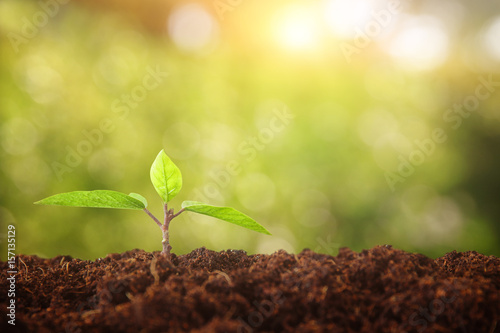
(344,16)
(491,38)
(296,28)
(420,44)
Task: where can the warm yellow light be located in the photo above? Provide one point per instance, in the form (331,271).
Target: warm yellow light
(296,28)
(343,17)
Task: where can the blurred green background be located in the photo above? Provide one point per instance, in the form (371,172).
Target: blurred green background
(332,123)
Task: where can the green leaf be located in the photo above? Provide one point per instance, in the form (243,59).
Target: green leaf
(139,197)
(166,177)
(97,199)
(227,214)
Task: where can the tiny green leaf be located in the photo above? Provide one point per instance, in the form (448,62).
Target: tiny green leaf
(97,199)
(166,177)
(140,198)
(226,214)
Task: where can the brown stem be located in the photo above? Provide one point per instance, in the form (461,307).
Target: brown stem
(178,213)
(165,214)
(169,214)
(165,241)
(153,217)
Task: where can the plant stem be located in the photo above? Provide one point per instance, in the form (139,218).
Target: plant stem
(165,241)
(168,216)
(178,213)
(153,217)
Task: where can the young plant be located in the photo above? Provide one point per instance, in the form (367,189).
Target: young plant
(167,180)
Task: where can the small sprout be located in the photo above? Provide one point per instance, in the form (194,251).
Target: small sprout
(167,181)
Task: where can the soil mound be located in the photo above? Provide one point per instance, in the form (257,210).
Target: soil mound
(377,290)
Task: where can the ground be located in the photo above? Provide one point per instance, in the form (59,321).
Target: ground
(377,290)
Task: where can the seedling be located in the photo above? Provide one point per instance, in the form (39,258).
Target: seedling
(167,181)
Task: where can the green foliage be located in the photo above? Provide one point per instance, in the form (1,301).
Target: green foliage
(166,177)
(140,198)
(319,179)
(94,199)
(167,181)
(227,214)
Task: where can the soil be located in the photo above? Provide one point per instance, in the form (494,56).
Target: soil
(377,290)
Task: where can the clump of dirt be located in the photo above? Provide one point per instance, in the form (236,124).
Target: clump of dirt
(377,290)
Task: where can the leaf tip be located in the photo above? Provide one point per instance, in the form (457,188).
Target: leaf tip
(165,176)
(263,230)
(140,198)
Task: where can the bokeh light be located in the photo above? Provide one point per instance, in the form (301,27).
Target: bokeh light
(296,27)
(345,18)
(316,118)
(192,28)
(421,43)
(492,38)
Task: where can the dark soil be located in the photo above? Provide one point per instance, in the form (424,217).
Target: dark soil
(377,290)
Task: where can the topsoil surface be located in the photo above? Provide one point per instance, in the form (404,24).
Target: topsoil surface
(377,290)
